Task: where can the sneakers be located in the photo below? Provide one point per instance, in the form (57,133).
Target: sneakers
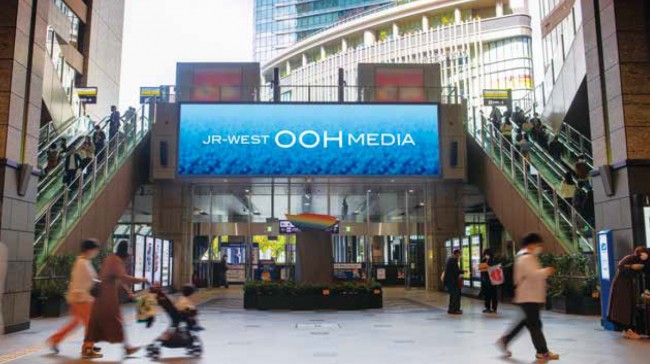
(548,356)
(459,312)
(91,354)
(503,347)
(130,350)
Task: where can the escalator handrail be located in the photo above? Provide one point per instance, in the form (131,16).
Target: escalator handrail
(59,134)
(57,171)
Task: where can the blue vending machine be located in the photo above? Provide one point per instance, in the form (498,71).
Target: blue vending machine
(607,272)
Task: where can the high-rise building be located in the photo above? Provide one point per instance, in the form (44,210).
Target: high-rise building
(281,23)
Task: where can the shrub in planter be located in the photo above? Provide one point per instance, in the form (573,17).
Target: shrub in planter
(288,295)
(573,286)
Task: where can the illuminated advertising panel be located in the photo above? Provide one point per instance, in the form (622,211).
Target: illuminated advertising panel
(309,139)
(400,85)
(165,263)
(157,260)
(138,270)
(148,258)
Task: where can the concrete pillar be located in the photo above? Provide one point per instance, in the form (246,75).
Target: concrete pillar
(21,92)
(425,23)
(305,61)
(344,45)
(499,8)
(288,67)
(369,37)
(618,85)
(323,52)
(395,30)
(458,16)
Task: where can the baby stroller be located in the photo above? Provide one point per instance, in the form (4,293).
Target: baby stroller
(179,335)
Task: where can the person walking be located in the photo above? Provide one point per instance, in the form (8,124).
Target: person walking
(567,191)
(113,126)
(556,149)
(106,322)
(451,278)
(73,164)
(79,297)
(223,271)
(622,299)
(86,152)
(52,158)
(99,140)
(530,295)
(488,290)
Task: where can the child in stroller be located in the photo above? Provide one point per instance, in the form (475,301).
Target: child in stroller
(181,333)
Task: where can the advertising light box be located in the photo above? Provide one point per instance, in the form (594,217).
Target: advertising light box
(309,139)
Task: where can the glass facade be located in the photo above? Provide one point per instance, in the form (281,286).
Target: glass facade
(281,23)
(381,230)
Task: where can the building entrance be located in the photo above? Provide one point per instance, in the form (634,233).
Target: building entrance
(242,225)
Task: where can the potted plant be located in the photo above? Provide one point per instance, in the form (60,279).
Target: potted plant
(573,287)
(50,286)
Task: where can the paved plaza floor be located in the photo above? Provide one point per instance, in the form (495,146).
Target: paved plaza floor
(413,328)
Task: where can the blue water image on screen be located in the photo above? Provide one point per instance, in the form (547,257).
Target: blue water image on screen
(308,139)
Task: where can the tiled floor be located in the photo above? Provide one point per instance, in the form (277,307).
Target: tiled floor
(412,328)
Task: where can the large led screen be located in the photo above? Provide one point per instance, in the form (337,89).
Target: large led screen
(309,139)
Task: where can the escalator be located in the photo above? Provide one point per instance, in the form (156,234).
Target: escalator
(523,192)
(91,205)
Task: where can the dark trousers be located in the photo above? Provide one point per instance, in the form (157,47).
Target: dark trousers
(99,152)
(490,297)
(533,323)
(70,175)
(454,297)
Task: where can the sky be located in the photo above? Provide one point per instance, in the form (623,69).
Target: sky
(159,33)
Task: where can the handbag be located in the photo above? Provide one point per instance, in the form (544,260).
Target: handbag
(496,275)
(96,288)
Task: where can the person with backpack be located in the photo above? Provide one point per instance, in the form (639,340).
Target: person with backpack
(530,295)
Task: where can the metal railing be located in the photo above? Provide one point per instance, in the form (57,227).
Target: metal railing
(315,93)
(70,130)
(575,232)
(576,143)
(67,206)
(51,183)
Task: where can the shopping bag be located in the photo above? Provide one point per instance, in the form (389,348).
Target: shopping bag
(146,308)
(496,275)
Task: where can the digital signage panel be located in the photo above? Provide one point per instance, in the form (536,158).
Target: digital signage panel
(309,139)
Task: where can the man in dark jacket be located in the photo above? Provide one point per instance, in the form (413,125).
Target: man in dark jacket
(113,125)
(451,278)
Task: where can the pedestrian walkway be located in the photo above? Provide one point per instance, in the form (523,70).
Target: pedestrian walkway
(413,328)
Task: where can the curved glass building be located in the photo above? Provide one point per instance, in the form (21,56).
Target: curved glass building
(281,23)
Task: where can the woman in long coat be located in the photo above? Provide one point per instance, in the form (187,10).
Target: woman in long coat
(625,291)
(106,323)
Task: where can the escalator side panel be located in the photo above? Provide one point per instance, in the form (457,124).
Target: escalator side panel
(105,210)
(512,210)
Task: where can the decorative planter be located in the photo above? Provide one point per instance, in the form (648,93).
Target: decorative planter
(250,300)
(575,305)
(53,307)
(35,307)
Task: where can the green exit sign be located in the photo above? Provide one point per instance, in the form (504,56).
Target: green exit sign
(269,229)
(348,229)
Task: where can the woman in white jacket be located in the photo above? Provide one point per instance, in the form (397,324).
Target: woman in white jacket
(82,280)
(530,295)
